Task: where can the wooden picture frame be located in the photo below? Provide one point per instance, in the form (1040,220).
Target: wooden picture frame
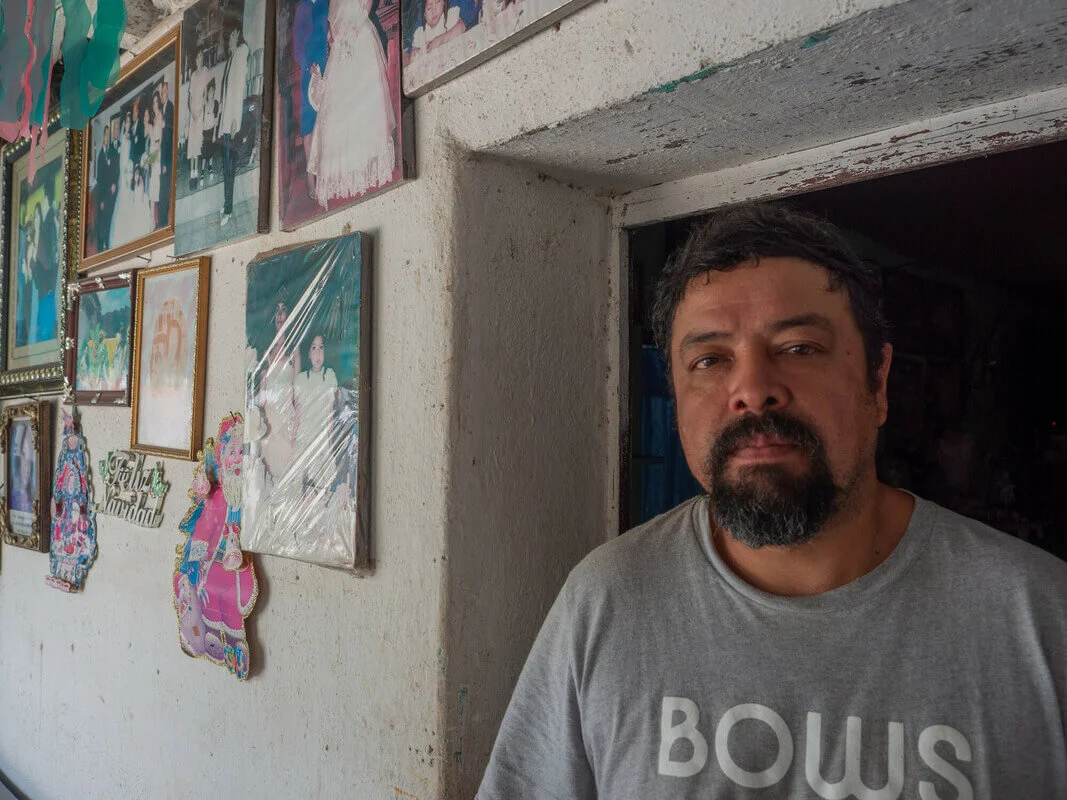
(138,160)
(25,518)
(98,362)
(169,359)
(31,348)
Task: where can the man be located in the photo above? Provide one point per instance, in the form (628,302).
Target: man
(104,195)
(166,157)
(230,116)
(801,631)
(46,270)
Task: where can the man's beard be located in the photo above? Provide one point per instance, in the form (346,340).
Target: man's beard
(766,504)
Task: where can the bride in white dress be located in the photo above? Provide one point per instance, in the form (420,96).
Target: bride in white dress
(352,145)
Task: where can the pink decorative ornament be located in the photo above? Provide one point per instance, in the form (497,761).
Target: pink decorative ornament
(214,582)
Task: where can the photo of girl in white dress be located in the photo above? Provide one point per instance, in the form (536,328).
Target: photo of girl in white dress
(352,145)
(315,390)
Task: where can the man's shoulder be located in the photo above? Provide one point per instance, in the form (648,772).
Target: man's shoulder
(976,550)
(657,547)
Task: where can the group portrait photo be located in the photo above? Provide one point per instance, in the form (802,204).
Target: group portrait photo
(222,179)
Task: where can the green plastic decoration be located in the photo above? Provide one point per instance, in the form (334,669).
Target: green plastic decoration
(90,65)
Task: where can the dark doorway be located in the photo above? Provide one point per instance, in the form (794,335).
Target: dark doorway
(973,256)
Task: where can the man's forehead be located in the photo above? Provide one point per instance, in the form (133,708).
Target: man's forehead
(771,287)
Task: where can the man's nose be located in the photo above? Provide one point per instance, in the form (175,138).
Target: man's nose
(756,384)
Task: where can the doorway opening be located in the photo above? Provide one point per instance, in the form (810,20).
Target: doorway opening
(973,258)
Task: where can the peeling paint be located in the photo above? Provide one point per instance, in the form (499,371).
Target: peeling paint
(699,75)
(816,38)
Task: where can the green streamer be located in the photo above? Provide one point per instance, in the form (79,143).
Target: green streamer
(90,65)
(14,58)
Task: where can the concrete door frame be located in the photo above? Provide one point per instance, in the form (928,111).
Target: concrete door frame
(1026,121)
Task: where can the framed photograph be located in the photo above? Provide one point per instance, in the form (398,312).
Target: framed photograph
(25,435)
(224,122)
(344,126)
(99,348)
(307,403)
(128,164)
(169,352)
(35,219)
(445,38)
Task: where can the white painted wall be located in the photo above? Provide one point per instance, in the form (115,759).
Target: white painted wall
(495,432)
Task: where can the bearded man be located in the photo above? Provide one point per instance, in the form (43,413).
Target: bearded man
(801,630)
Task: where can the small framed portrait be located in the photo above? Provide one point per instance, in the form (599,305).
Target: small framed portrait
(307,404)
(129,154)
(169,348)
(99,349)
(224,127)
(344,126)
(36,260)
(25,436)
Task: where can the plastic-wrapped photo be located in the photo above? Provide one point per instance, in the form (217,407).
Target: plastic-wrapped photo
(343,125)
(223,178)
(444,38)
(129,160)
(305,404)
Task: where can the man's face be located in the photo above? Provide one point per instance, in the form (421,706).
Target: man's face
(164,92)
(775,414)
(233,41)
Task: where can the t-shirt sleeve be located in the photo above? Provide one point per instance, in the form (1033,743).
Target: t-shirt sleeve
(540,751)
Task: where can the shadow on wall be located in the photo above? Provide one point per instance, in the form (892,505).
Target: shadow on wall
(531,377)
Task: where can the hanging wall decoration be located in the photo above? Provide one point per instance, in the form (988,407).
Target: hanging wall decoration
(445,38)
(73,542)
(170,347)
(98,347)
(26,442)
(344,126)
(214,581)
(224,122)
(307,403)
(36,260)
(129,154)
(131,492)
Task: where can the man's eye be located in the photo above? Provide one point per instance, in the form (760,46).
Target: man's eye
(707,362)
(801,349)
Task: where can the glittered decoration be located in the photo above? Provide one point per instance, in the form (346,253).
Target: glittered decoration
(130,491)
(90,65)
(73,545)
(214,581)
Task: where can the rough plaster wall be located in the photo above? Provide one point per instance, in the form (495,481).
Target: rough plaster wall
(614,50)
(96,697)
(882,68)
(529,445)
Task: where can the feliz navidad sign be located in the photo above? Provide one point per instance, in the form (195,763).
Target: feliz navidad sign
(130,492)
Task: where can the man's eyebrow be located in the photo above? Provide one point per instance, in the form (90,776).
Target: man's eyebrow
(700,337)
(811,320)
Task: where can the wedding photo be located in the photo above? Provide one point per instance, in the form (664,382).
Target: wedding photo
(129,155)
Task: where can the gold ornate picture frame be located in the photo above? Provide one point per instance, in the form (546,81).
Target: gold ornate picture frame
(26,445)
(38,255)
(128,159)
(169,358)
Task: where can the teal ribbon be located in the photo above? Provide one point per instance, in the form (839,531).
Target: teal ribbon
(90,66)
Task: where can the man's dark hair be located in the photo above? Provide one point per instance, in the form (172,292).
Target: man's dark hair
(753,231)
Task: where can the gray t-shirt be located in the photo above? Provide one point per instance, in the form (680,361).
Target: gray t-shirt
(941,674)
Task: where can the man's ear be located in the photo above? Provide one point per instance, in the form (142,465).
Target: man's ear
(881,398)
